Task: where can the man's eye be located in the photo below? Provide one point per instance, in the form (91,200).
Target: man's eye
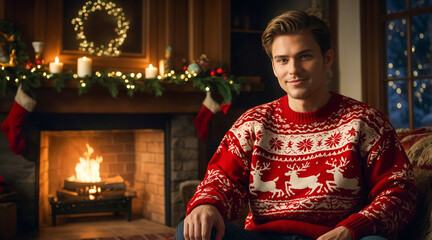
(282,60)
(305,57)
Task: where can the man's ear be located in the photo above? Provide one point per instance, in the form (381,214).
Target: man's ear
(329,58)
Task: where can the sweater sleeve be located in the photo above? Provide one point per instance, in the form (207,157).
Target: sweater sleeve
(226,182)
(391,199)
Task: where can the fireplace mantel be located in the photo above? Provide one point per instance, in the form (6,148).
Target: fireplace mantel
(175,99)
(181,99)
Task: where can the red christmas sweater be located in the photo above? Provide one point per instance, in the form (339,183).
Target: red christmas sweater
(307,173)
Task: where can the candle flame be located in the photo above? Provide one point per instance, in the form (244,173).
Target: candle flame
(56,59)
(150,66)
(84,58)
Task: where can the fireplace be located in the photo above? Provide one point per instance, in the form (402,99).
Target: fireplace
(151,153)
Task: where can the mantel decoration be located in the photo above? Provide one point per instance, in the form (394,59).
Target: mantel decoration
(30,76)
(112,49)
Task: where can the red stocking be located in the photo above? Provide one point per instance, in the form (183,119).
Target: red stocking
(202,120)
(225,107)
(12,126)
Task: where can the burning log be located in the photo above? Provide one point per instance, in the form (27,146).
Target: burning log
(110,188)
(77,186)
(115,183)
(87,182)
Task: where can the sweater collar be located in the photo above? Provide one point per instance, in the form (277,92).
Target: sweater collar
(309,117)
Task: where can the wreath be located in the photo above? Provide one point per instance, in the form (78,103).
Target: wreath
(121,29)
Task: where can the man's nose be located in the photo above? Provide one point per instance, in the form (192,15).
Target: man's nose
(293,67)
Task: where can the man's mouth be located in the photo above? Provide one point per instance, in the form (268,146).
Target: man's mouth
(296,81)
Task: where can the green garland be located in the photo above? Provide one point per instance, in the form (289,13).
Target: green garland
(30,79)
(113,81)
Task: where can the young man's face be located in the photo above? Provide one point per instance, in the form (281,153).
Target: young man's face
(300,66)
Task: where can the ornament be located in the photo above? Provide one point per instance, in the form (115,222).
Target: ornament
(203,62)
(38,48)
(11,60)
(184,65)
(194,68)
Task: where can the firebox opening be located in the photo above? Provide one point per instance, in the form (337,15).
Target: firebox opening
(130,163)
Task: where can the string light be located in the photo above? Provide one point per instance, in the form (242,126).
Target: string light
(122,26)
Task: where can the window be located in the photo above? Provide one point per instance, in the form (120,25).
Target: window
(402,41)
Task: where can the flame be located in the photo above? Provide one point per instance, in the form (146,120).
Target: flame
(87,170)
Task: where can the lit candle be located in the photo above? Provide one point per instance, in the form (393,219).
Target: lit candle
(151,72)
(84,67)
(56,67)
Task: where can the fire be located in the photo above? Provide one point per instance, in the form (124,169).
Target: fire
(87,170)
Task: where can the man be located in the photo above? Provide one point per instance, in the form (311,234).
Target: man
(312,164)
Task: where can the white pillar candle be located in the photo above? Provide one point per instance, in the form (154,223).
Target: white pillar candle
(56,67)
(84,67)
(162,67)
(151,72)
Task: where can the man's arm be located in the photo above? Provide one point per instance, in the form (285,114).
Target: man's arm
(389,182)
(225,185)
(200,221)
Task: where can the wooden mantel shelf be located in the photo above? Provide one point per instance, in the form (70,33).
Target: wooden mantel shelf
(101,101)
(175,99)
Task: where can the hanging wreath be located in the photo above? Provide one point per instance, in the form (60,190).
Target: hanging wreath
(112,49)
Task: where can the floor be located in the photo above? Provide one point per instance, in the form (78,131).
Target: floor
(96,227)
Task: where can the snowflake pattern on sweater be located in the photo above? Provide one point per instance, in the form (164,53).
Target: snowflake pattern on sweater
(341,165)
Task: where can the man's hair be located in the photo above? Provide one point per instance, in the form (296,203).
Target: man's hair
(295,22)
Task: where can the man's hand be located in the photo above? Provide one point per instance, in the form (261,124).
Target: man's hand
(339,233)
(198,224)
